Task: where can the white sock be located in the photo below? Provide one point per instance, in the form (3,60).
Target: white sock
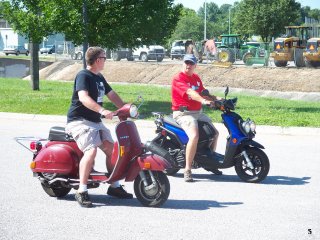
(82,188)
(115,184)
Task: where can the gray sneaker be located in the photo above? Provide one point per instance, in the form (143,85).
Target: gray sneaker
(83,199)
(188,176)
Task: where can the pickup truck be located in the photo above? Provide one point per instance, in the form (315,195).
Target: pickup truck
(152,52)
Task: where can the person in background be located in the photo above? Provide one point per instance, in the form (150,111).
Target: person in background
(187,109)
(84,121)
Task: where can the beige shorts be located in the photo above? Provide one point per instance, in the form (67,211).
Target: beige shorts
(88,134)
(189,119)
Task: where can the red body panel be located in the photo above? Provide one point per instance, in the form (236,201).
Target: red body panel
(125,149)
(156,163)
(58,157)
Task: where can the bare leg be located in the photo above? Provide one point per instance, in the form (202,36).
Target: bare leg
(107,148)
(193,135)
(86,165)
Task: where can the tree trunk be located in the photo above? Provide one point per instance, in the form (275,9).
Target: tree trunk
(34,66)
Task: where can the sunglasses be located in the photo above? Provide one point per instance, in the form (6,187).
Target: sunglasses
(104,58)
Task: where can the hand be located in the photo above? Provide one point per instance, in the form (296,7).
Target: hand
(107,114)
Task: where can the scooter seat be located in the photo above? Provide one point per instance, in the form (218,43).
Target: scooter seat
(58,134)
(171,121)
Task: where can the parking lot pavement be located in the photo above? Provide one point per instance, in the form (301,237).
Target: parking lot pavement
(284,206)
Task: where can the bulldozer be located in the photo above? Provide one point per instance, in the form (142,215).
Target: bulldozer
(312,53)
(291,46)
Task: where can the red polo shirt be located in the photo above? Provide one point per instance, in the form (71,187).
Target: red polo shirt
(180,84)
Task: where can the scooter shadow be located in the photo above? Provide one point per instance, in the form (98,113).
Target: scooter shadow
(274,180)
(104,201)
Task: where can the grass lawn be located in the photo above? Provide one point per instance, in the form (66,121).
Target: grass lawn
(54,99)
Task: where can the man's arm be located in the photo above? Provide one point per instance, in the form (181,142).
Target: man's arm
(115,99)
(88,102)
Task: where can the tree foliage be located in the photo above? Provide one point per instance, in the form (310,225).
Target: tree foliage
(113,23)
(266,18)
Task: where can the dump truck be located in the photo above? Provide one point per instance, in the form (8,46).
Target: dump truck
(290,47)
(312,53)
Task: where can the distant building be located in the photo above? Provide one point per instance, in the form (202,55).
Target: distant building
(8,37)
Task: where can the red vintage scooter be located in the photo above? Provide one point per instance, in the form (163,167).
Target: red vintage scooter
(56,163)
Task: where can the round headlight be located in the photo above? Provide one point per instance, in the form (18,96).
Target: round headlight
(133,111)
(246,126)
(253,126)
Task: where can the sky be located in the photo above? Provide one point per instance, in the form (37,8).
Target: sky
(196,4)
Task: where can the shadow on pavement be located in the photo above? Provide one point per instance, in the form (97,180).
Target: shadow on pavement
(276,180)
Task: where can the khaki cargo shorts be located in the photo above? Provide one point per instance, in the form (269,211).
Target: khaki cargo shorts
(189,119)
(88,134)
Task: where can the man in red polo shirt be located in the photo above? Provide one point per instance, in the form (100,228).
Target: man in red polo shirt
(187,109)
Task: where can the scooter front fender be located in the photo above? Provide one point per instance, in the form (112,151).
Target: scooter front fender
(253,144)
(148,161)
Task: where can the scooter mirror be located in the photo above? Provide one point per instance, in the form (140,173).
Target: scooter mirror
(226,92)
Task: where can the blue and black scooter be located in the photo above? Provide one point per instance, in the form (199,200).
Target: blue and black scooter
(242,152)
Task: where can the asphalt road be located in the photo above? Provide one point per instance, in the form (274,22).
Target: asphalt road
(284,206)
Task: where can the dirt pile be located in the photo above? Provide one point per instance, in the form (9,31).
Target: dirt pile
(258,78)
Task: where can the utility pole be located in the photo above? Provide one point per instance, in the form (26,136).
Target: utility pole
(205,20)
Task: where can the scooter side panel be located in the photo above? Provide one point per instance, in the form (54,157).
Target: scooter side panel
(57,158)
(128,146)
(146,162)
(178,131)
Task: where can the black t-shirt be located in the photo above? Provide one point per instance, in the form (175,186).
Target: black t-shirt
(96,86)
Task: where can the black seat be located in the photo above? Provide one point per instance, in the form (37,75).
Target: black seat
(58,134)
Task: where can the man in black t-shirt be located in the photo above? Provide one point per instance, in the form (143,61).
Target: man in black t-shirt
(84,121)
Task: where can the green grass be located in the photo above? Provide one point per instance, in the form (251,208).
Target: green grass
(54,98)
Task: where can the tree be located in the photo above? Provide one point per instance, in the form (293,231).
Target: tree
(266,18)
(111,24)
(125,23)
(29,19)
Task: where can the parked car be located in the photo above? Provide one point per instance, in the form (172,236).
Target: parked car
(48,49)
(120,53)
(152,52)
(16,50)
(179,48)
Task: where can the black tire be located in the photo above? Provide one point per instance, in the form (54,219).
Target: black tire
(115,56)
(280,63)
(130,58)
(27,53)
(17,53)
(260,162)
(55,190)
(298,58)
(159,59)
(79,56)
(144,57)
(312,63)
(226,55)
(246,56)
(7,54)
(155,196)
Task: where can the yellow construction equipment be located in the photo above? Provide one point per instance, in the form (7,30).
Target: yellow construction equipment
(291,46)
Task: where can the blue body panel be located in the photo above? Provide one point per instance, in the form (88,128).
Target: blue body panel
(231,122)
(178,131)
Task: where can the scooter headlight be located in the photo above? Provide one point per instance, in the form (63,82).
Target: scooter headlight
(133,111)
(249,126)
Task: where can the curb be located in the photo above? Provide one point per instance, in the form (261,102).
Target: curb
(261,129)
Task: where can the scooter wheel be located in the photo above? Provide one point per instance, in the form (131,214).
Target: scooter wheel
(260,163)
(155,194)
(55,191)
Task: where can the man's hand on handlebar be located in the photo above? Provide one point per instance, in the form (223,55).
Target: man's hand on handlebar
(107,114)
